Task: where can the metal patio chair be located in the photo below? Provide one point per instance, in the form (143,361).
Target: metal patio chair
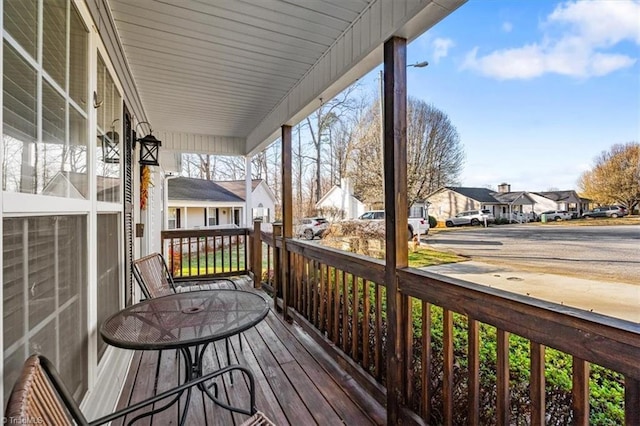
(40,397)
(152,274)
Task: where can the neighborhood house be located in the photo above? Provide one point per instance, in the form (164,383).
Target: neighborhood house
(197,203)
(448,201)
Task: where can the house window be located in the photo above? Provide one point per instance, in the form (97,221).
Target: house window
(108,270)
(44,100)
(173,218)
(44,279)
(213,214)
(416,211)
(261,213)
(109,124)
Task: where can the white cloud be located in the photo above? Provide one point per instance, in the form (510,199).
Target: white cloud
(507,27)
(441,48)
(576,37)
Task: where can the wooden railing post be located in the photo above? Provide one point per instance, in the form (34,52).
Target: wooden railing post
(631,401)
(277,264)
(257,254)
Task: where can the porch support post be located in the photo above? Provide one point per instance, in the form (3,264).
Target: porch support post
(248,213)
(396,216)
(287,215)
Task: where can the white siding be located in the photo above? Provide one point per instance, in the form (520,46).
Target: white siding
(447,203)
(259,196)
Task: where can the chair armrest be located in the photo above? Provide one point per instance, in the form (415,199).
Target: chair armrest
(179,389)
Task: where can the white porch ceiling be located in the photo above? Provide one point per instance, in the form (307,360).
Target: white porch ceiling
(222,76)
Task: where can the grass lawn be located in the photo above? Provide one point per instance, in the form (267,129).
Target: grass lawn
(428,257)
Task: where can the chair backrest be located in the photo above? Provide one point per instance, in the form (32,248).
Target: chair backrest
(153,276)
(40,397)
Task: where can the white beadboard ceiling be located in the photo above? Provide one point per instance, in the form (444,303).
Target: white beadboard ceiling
(222,76)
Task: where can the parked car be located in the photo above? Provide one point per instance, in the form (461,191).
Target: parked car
(606,211)
(416,225)
(311,227)
(471,217)
(557,215)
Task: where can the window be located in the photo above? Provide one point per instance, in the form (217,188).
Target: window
(173,218)
(212,216)
(44,267)
(108,270)
(417,211)
(48,158)
(109,124)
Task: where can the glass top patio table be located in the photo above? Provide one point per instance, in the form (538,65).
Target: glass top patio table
(184,319)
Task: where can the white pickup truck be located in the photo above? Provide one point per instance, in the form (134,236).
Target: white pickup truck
(416,225)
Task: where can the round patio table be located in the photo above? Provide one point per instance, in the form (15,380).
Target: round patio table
(184,321)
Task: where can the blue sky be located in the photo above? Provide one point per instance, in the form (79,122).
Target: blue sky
(536,88)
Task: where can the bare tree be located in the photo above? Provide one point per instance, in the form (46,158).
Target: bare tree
(199,166)
(319,123)
(435,154)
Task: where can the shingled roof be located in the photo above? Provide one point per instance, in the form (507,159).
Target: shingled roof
(556,195)
(484,195)
(239,187)
(183,188)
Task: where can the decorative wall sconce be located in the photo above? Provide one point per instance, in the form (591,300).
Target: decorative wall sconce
(149,148)
(110,145)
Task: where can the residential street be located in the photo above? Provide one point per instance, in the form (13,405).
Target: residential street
(606,253)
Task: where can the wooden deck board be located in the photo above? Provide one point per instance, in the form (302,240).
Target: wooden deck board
(295,384)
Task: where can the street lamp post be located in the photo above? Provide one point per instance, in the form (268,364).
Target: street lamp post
(415,65)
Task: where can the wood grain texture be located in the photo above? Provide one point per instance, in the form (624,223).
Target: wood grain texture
(395,196)
(502,378)
(580,392)
(473,342)
(631,402)
(537,381)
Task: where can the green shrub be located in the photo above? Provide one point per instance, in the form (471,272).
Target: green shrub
(606,386)
(433,222)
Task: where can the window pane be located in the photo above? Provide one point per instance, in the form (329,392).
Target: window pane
(54,58)
(21,22)
(77,155)
(44,261)
(13,281)
(108,173)
(102,69)
(20,85)
(108,177)
(108,271)
(51,154)
(53,115)
(20,126)
(78,53)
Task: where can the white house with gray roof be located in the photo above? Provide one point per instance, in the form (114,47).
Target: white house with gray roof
(197,203)
(449,201)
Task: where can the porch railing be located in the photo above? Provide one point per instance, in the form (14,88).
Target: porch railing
(206,253)
(451,325)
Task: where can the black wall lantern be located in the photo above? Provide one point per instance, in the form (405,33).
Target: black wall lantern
(110,145)
(149,149)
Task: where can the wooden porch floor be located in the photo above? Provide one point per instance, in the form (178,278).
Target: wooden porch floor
(296,382)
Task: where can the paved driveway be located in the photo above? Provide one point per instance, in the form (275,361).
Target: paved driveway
(610,253)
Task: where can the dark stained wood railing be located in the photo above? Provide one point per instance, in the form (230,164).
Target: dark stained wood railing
(340,297)
(206,253)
